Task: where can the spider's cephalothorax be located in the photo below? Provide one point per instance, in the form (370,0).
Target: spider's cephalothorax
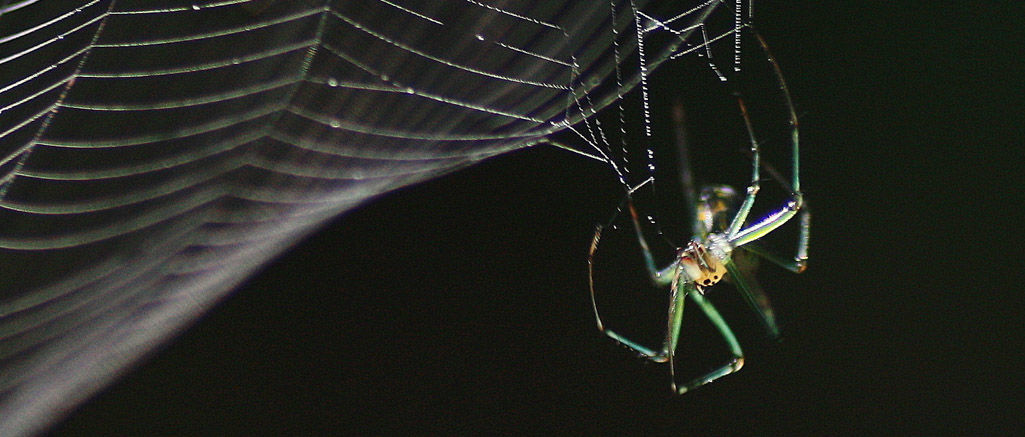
(704,262)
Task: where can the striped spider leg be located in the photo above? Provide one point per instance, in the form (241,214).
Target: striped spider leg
(720,229)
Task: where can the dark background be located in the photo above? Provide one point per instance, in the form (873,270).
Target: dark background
(461,305)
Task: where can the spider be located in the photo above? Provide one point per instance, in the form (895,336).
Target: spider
(708,257)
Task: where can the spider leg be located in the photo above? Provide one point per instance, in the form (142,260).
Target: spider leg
(675,308)
(739,236)
(748,286)
(752,190)
(713,315)
(658,277)
(799,262)
(795,184)
(754,295)
(686,177)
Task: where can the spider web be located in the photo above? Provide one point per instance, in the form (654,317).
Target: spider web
(154,153)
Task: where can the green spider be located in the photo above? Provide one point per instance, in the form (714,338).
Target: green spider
(708,257)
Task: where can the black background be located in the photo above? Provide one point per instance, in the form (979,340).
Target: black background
(461,305)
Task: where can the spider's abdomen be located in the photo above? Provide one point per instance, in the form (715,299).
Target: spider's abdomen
(701,266)
(716,207)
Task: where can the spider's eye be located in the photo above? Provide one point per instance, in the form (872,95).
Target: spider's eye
(708,281)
